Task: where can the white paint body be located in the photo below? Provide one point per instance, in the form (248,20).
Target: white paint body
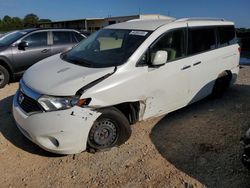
(160,90)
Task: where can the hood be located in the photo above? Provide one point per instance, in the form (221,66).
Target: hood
(54,76)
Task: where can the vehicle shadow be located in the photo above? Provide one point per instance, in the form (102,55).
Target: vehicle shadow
(203,139)
(9,130)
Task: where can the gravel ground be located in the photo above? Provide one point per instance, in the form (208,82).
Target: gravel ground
(197,146)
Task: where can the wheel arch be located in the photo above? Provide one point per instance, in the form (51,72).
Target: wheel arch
(5,63)
(131,110)
(226,73)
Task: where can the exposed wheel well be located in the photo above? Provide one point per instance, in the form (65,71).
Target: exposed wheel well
(222,83)
(226,73)
(5,65)
(130,110)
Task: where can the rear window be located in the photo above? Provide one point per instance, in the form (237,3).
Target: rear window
(226,36)
(201,40)
(62,37)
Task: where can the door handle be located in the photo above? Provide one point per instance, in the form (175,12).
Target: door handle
(45,50)
(186,67)
(197,63)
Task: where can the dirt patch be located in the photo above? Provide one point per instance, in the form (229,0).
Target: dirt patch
(197,146)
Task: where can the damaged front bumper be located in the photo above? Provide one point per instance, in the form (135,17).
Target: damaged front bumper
(61,132)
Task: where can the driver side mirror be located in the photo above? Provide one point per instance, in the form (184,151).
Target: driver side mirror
(160,58)
(23,45)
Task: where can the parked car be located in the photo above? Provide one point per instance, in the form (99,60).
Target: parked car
(246,154)
(88,97)
(21,49)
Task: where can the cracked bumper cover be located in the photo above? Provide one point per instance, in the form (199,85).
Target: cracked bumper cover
(61,132)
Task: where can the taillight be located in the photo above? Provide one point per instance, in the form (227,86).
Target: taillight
(239,49)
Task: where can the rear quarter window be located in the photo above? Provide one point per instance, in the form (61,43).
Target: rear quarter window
(226,36)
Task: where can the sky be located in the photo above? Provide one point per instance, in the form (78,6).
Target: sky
(233,10)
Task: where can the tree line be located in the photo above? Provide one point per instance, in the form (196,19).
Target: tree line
(8,23)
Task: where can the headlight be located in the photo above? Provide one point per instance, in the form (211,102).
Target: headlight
(50,103)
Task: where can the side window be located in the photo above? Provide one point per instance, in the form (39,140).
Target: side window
(173,42)
(61,37)
(201,40)
(37,39)
(226,35)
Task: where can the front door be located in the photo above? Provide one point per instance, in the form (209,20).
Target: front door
(168,85)
(37,50)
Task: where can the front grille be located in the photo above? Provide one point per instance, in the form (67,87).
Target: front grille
(28,104)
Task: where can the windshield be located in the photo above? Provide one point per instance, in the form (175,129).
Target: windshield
(11,37)
(106,48)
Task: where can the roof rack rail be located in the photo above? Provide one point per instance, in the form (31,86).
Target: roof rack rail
(200,19)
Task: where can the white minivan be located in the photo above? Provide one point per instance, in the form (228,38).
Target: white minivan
(88,97)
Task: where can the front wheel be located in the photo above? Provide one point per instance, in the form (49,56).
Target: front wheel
(110,129)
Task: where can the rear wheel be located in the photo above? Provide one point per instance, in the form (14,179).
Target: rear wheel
(221,85)
(4,76)
(110,129)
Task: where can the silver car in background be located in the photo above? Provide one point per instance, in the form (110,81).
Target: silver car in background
(21,49)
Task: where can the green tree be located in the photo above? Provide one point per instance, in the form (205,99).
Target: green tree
(17,23)
(30,20)
(6,23)
(7,19)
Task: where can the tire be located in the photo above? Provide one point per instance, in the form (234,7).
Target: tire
(109,130)
(4,76)
(221,85)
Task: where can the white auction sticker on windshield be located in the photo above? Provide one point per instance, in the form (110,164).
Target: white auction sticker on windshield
(139,33)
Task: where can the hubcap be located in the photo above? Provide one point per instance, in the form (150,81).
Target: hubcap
(104,133)
(1,77)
